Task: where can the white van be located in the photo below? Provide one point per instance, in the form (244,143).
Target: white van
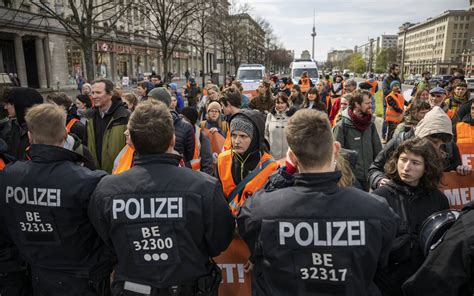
(300,65)
(250,76)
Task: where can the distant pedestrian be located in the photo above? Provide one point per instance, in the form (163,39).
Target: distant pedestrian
(394,71)
(264,102)
(17,100)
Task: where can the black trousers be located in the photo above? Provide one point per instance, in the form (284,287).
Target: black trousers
(15,284)
(60,284)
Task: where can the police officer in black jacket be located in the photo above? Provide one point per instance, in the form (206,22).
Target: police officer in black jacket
(163,221)
(45,210)
(315,238)
(448,269)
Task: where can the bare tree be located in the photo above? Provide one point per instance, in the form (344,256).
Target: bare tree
(271,40)
(86,21)
(280,58)
(170,20)
(202,29)
(231,34)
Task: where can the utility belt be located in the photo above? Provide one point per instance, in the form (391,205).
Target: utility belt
(204,286)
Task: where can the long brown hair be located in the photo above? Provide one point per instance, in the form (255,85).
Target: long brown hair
(343,165)
(313,90)
(431,157)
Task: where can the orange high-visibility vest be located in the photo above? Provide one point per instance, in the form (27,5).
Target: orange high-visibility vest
(374,85)
(390,114)
(305,85)
(227,142)
(2,164)
(464,133)
(224,165)
(125,160)
(196,161)
(70,124)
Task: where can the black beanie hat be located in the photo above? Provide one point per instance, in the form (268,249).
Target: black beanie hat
(85,100)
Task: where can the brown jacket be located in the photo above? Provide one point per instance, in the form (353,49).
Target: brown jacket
(262,104)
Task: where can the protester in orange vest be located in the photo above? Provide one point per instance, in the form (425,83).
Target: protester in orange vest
(394,113)
(245,168)
(464,130)
(305,82)
(73,122)
(373,83)
(215,129)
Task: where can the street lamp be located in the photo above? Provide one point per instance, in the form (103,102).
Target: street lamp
(404,29)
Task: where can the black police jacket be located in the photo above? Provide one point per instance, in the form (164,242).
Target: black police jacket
(45,211)
(316,238)
(449,268)
(163,221)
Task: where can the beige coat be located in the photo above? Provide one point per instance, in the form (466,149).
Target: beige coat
(275,133)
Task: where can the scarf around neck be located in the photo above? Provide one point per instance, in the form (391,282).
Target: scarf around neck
(361,123)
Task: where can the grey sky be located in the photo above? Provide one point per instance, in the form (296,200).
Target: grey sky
(343,24)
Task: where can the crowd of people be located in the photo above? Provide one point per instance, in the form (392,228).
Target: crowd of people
(135,193)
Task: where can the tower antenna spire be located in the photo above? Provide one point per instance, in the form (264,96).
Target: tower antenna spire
(313,34)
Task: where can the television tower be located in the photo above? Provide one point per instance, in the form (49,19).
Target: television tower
(313,34)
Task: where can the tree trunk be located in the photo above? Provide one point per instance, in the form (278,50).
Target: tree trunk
(224,55)
(89,61)
(202,66)
(165,60)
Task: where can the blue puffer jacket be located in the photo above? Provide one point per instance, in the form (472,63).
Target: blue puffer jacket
(184,133)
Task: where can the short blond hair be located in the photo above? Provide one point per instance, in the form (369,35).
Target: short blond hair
(46,123)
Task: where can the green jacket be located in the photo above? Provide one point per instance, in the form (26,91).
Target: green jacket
(113,139)
(366,143)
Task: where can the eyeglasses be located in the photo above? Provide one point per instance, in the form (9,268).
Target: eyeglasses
(214,111)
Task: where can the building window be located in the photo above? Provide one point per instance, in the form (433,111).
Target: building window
(455,26)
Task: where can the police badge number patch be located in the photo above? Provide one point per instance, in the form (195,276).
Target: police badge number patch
(153,243)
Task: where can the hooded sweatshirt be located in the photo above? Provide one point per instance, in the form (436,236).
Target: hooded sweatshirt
(436,121)
(251,157)
(17,139)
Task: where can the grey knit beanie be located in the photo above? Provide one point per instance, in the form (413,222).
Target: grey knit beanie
(243,124)
(161,94)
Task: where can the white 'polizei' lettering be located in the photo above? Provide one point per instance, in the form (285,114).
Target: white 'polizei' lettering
(335,233)
(148,208)
(47,197)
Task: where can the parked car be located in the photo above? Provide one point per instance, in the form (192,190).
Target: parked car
(445,78)
(410,80)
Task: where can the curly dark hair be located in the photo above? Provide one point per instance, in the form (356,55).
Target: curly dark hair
(431,157)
